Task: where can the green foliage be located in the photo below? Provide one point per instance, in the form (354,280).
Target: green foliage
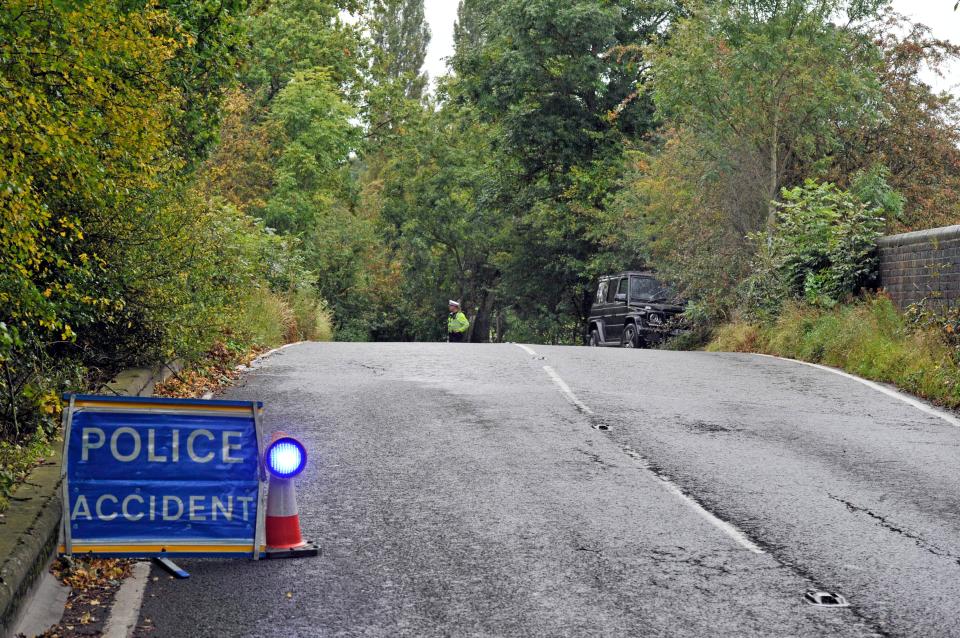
(770,80)
(110,256)
(400,35)
(312,137)
(84,106)
(917,136)
(752,93)
(210,37)
(287,36)
(559,82)
(440,200)
(822,249)
(870,338)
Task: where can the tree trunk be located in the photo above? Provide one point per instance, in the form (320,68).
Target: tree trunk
(480,329)
(774,171)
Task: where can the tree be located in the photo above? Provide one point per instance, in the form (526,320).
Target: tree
(400,36)
(553,77)
(764,86)
(209,37)
(442,203)
(469,32)
(288,36)
(917,137)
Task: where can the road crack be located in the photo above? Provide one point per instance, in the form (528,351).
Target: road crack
(921,542)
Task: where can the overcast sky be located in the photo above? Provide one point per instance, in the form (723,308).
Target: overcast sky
(937,14)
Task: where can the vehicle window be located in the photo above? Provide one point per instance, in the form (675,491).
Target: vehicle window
(612,291)
(649,289)
(602,292)
(643,288)
(622,289)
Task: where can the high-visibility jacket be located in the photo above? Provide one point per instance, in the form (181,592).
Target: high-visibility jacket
(457,322)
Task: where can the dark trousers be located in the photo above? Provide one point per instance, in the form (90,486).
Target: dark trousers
(455,337)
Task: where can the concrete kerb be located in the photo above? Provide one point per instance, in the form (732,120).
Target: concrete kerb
(28,538)
(29,529)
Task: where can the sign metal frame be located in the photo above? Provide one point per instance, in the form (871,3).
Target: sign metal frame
(164,406)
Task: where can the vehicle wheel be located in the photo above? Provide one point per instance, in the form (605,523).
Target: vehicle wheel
(631,338)
(594,339)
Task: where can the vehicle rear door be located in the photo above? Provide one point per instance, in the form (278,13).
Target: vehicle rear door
(617,309)
(599,307)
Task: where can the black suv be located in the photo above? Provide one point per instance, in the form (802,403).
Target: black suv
(634,310)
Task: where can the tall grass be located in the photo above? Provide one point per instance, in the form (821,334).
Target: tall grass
(869,338)
(267,319)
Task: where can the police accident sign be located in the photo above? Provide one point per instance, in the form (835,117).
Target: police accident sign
(162,477)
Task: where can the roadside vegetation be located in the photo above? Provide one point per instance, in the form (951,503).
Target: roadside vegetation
(869,338)
(203,180)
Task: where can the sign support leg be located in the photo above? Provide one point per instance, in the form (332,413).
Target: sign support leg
(171,567)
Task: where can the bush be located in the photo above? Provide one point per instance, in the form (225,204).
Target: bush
(313,318)
(822,250)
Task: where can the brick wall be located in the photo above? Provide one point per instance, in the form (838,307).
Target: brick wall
(922,265)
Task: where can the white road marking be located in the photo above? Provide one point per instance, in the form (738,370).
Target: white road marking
(920,405)
(566,390)
(259,360)
(732,532)
(727,528)
(526,349)
(125,610)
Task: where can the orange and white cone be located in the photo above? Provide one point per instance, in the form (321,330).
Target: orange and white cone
(284,539)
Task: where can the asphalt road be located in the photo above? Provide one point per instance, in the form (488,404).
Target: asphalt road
(457,490)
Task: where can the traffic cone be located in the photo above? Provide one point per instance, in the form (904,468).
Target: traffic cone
(284,539)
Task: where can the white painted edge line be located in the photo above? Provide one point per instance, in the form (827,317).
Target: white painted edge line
(920,405)
(125,611)
(566,390)
(727,528)
(526,349)
(260,359)
(732,532)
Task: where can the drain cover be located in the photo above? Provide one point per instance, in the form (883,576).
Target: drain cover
(825,599)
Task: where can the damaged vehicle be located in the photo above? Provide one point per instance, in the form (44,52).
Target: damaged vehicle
(634,310)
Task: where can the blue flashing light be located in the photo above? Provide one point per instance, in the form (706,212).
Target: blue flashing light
(286,457)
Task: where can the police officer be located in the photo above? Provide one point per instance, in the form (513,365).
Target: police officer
(457,324)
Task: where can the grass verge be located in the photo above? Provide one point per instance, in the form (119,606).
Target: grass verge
(869,338)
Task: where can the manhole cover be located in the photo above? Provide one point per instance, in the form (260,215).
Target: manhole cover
(825,599)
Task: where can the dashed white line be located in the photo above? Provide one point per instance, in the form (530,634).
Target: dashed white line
(923,407)
(732,532)
(566,390)
(727,528)
(526,349)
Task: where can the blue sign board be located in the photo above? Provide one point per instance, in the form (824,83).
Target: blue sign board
(162,477)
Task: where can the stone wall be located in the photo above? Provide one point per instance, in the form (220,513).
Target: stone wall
(924,265)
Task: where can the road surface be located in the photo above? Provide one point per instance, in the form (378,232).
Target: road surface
(499,490)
